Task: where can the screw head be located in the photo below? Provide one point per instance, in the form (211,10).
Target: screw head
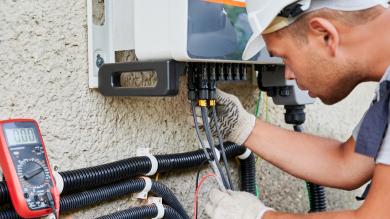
(99,61)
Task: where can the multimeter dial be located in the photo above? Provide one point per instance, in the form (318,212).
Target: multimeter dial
(33,172)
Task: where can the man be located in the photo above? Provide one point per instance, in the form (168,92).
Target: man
(328,47)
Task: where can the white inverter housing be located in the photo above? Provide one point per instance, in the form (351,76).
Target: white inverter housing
(181,30)
(165,35)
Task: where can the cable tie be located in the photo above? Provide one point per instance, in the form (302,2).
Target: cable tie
(59,181)
(50,216)
(144,193)
(152,158)
(154,168)
(160,210)
(245,155)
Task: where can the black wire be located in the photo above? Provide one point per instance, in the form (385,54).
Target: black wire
(198,132)
(196,185)
(211,143)
(229,176)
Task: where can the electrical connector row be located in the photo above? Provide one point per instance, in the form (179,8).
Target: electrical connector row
(202,92)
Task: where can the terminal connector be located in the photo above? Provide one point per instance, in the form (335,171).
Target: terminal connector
(244,73)
(221,72)
(229,75)
(191,84)
(203,86)
(236,69)
(213,83)
(203,78)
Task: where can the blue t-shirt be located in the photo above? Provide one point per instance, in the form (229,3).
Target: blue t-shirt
(384,152)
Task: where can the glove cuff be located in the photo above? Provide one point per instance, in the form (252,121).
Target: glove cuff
(262,212)
(245,128)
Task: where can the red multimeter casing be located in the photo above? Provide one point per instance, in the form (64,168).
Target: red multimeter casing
(26,169)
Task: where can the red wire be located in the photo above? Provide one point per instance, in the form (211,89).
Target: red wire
(197,190)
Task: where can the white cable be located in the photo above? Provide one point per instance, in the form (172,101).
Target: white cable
(154,162)
(245,155)
(218,153)
(218,176)
(160,210)
(144,193)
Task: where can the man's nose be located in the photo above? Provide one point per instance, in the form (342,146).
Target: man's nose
(288,74)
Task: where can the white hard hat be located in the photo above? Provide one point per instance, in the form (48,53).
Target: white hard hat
(267,16)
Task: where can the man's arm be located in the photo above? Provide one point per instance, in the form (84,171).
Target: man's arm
(316,159)
(375,205)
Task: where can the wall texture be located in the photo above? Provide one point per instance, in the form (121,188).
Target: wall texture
(44,75)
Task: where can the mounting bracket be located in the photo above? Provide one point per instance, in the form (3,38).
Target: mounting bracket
(113,34)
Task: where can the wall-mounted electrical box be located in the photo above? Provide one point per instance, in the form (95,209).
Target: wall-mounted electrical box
(156,30)
(166,35)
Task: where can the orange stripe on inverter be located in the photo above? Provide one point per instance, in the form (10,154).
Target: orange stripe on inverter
(228,2)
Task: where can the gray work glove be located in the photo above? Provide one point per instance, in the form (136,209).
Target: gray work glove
(234,205)
(235,123)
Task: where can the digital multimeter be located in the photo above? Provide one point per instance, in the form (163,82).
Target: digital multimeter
(26,169)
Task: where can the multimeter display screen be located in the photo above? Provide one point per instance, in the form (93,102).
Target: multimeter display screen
(21,136)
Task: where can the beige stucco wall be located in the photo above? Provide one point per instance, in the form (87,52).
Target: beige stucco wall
(44,75)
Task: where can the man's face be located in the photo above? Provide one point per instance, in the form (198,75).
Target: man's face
(325,76)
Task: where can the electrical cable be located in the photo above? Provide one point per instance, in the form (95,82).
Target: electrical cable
(211,143)
(258,105)
(197,193)
(315,192)
(213,163)
(198,173)
(229,175)
(197,182)
(266,108)
(198,131)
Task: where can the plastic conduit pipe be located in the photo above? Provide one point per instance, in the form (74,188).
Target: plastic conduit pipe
(92,177)
(141,212)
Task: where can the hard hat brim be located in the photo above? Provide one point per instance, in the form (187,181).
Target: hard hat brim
(255,44)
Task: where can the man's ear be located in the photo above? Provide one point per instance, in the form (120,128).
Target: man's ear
(326,32)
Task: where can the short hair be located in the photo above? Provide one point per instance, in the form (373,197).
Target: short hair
(300,27)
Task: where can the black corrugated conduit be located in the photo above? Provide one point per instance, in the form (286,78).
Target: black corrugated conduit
(248,174)
(84,199)
(141,212)
(9,214)
(125,169)
(317,197)
(86,178)
(110,192)
(4,196)
(93,177)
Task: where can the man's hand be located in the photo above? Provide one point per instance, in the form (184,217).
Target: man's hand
(234,205)
(235,123)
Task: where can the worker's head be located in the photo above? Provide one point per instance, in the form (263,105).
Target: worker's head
(316,40)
